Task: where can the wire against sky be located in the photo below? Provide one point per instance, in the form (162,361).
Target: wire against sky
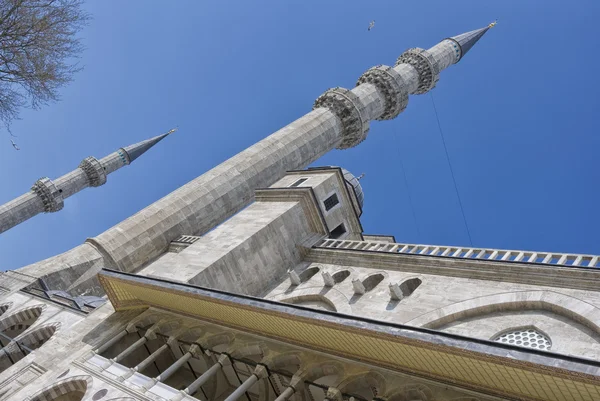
(462,210)
(410,201)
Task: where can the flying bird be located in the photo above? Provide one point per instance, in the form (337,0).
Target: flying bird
(14,145)
(371,25)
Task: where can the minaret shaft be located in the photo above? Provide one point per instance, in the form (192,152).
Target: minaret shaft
(48,195)
(221,192)
(340,119)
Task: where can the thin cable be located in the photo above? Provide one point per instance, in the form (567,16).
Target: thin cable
(412,209)
(462,210)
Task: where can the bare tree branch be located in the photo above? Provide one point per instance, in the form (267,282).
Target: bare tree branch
(38,50)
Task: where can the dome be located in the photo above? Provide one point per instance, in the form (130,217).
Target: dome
(352,180)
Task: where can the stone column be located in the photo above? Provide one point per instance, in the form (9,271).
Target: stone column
(111,342)
(287,393)
(174,367)
(196,384)
(259,373)
(130,349)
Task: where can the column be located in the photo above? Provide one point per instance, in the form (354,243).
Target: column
(111,342)
(131,348)
(196,384)
(287,393)
(260,372)
(174,367)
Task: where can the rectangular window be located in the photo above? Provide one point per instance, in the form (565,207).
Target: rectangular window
(331,202)
(299,182)
(338,231)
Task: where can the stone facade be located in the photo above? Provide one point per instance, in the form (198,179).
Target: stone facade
(248,282)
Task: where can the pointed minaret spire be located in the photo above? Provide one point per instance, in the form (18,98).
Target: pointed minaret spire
(467,40)
(48,196)
(135,151)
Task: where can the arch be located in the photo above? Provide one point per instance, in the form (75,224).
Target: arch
(145,321)
(190,335)
(4,307)
(166,327)
(288,363)
(340,276)
(561,304)
(367,385)
(308,273)
(19,347)
(40,335)
(18,322)
(409,286)
(71,389)
(122,399)
(327,373)
(316,301)
(372,281)
(332,295)
(411,392)
(524,336)
(31,313)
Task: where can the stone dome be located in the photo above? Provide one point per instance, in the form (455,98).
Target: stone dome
(352,180)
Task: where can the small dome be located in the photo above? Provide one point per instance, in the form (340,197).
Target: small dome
(352,180)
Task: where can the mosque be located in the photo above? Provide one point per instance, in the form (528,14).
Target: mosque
(255,281)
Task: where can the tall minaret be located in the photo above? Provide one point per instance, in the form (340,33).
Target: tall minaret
(48,196)
(340,118)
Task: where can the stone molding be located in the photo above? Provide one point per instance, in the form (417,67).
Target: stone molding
(305,196)
(334,297)
(94,171)
(49,194)
(560,304)
(349,109)
(425,65)
(522,273)
(391,85)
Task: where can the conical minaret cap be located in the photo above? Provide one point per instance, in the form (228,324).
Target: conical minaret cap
(138,149)
(468,39)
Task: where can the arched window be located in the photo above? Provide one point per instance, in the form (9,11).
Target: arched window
(18,348)
(4,307)
(528,337)
(15,324)
(372,281)
(308,273)
(72,389)
(409,286)
(340,276)
(314,301)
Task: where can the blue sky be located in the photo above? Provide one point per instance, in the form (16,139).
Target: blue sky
(519,115)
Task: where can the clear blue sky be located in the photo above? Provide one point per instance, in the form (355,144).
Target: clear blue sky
(519,114)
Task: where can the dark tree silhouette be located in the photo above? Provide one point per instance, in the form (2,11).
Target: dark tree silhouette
(38,51)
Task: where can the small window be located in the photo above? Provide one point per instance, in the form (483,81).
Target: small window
(338,231)
(299,182)
(331,202)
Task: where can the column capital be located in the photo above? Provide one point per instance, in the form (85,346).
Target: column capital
(51,196)
(261,371)
(350,110)
(93,171)
(425,65)
(334,394)
(224,360)
(391,85)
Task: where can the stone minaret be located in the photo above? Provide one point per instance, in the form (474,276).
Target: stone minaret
(48,196)
(340,119)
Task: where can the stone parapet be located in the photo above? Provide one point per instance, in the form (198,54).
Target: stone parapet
(425,65)
(94,171)
(349,109)
(49,193)
(391,85)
